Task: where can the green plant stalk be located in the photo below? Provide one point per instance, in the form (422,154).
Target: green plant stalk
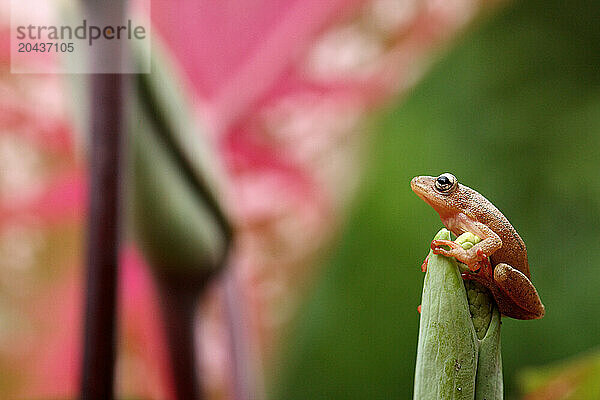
(458,354)
(175,210)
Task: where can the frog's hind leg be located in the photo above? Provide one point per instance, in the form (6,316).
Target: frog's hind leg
(513,291)
(515,294)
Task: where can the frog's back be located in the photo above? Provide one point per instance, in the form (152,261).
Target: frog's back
(513,251)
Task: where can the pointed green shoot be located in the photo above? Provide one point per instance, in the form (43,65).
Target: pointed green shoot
(458,355)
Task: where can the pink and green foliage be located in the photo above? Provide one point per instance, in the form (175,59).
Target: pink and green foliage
(42,216)
(283,87)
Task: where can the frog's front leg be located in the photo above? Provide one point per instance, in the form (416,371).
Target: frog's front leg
(489,244)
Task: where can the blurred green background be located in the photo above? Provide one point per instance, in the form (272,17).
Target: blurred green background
(513,110)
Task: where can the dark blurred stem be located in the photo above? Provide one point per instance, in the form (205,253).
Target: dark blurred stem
(102,238)
(179,300)
(105,153)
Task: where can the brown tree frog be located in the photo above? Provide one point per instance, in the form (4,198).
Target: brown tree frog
(506,274)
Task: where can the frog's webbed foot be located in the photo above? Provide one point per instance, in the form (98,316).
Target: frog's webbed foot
(469,257)
(483,263)
(481,271)
(424,265)
(455,248)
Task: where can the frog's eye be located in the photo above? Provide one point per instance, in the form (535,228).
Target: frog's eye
(445,183)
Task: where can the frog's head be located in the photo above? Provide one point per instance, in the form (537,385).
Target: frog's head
(439,192)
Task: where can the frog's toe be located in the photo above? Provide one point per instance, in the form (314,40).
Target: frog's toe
(424,265)
(442,242)
(458,254)
(437,247)
(442,251)
(481,256)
